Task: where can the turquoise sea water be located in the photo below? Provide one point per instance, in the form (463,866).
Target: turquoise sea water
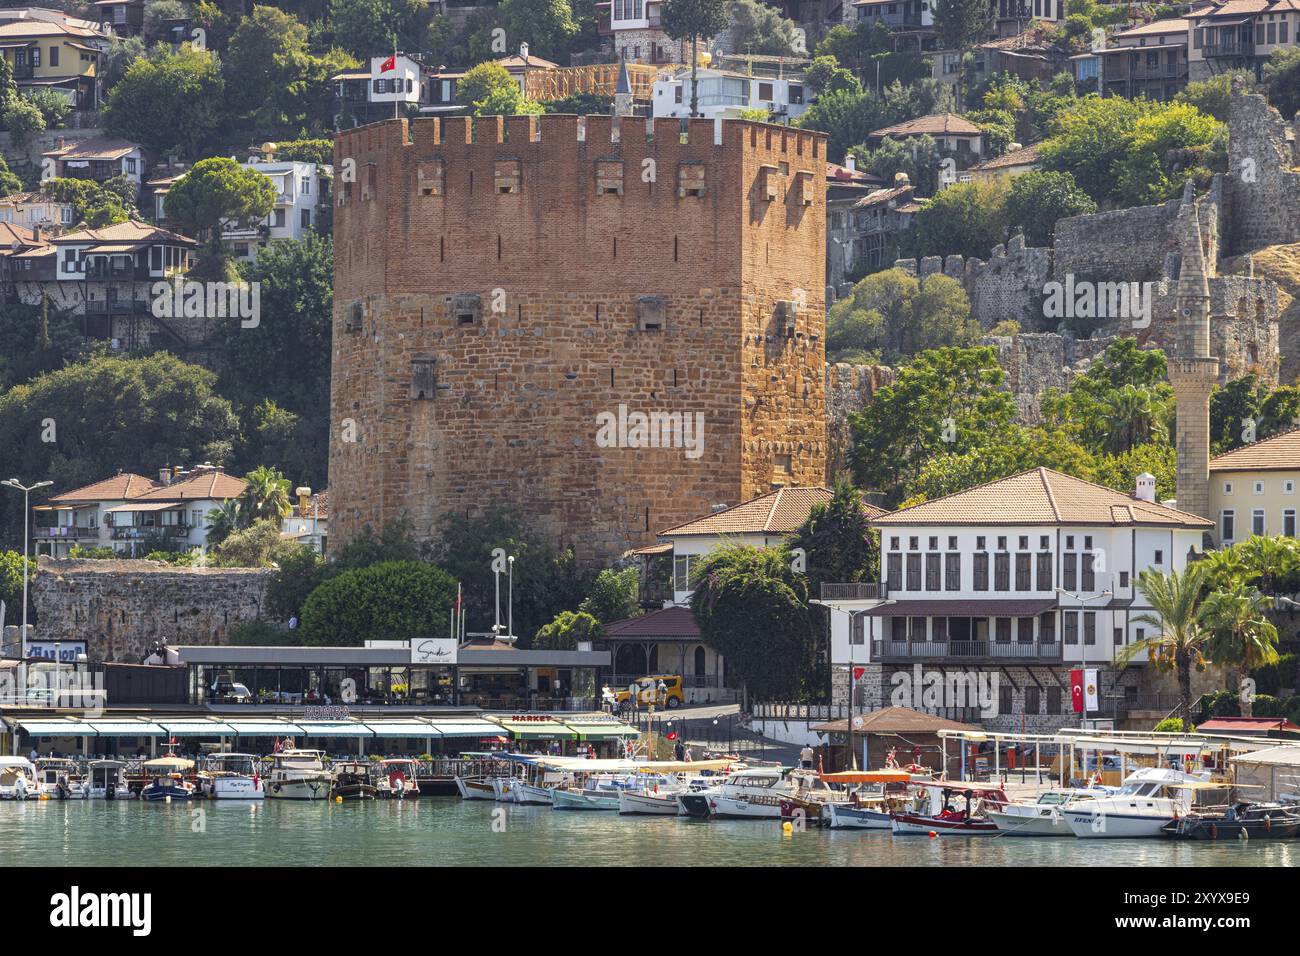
(447,831)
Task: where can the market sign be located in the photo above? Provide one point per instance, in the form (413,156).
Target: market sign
(433,650)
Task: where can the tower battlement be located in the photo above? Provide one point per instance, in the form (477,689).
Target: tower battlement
(506,287)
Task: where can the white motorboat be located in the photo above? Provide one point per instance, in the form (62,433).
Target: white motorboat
(1044,816)
(866,815)
(299,775)
(475,788)
(531,793)
(566,799)
(228,776)
(1148,799)
(60,779)
(18,779)
(649,802)
(108,780)
(397,779)
(755,794)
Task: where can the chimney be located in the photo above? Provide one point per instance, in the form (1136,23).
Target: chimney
(851,163)
(164,475)
(1146,487)
(36,233)
(523,51)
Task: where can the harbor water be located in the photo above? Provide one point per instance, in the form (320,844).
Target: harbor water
(446,831)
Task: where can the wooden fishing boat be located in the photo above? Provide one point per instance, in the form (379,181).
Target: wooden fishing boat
(943,818)
(353,781)
(475,788)
(1271,821)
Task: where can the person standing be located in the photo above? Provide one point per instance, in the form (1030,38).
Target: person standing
(806,757)
(679,751)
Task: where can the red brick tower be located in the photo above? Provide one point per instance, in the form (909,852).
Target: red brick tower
(511,295)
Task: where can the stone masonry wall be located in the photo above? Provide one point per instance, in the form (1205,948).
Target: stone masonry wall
(510,401)
(120,608)
(1263,181)
(849,389)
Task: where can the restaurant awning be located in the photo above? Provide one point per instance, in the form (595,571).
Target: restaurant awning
(197,728)
(538,730)
(962,608)
(601,730)
(334,728)
(402,728)
(467,728)
(126,728)
(264,728)
(55,728)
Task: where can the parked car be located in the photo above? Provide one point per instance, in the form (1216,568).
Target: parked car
(671,696)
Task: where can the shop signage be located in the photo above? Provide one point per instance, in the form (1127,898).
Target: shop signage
(433,650)
(67,651)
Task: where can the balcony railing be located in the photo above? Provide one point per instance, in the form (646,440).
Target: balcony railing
(116,307)
(1230,48)
(887,650)
(856,591)
(159,531)
(67,531)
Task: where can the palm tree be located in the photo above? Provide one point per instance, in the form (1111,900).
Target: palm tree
(1267,559)
(1241,633)
(1181,634)
(267,495)
(1225,567)
(223,521)
(1133,419)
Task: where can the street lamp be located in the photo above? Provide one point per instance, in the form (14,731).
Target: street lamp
(22,645)
(510,599)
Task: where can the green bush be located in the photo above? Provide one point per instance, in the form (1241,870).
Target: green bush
(1224,703)
(1172,725)
(393,600)
(1266,705)
(260,634)
(1272,678)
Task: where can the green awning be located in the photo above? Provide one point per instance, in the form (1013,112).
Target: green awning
(126,728)
(602,730)
(197,728)
(402,728)
(264,728)
(56,728)
(467,728)
(331,728)
(538,730)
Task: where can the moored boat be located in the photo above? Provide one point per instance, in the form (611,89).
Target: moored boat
(1044,816)
(230,776)
(649,802)
(1271,821)
(167,781)
(475,788)
(59,778)
(299,775)
(353,781)
(1149,799)
(397,779)
(942,818)
(107,780)
(17,779)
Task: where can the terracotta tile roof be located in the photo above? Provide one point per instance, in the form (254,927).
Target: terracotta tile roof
(1155,28)
(895,720)
(516,62)
(1024,156)
(673,622)
(883,195)
(98,147)
(777,512)
(1279,453)
(1239,8)
(129,231)
(207,485)
(1042,496)
(938,124)
(11,234)
(121,487)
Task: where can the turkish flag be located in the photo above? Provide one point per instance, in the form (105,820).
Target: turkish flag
(389,64)
(858,672)
(1076,690)
(672,735)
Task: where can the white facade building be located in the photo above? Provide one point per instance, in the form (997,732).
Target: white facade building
(727,94)
(298,189)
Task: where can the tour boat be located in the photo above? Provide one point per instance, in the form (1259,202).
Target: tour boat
(60,779)
(396,779)
(1259,821)
(168,780)
(228,776)
(649,802)
(1044,816)
(108,780)
(299,775)
(1148,799)
(475,788)
(756,794)
(17,779)
(353,781)
(935,815)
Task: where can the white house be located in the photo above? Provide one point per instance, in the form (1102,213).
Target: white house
(1022,579)
(309,521)
(98,158)
(36,209)
(297,205)
(726,94)
(129,511)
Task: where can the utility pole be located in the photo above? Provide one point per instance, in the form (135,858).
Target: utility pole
(22,643)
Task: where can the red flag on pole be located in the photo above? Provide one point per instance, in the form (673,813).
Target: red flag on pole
(389,64)
(1076,690)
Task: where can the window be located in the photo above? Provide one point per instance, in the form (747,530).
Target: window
(1160,556)
(979,543)
(1288,523)
(130,165)
(1054,701)
(682,572)
(1033,702)
(1071,619)
(1004,698)
(893,543)
(1045,571)
(1024,542)
(913,543)
(1002,571)
(1089,627)
(932,572)
(1022,572)
(940,629)
(1047,628)
(1119,636)
(952,570)
(917,628)
(914,572)
(651,313)
(1024,630)
(934,543)
(765,92)
(1123,579)
(952,542)
(424,379)
(894,575)
(1069,542)
(36,56)
(305,219)
(1257,521)
(1229,523)
(1044,542)
(1227,487)
(982,571)
(1070,572)
(1258,488)
(54,56)
(859,629)
(1002,543)
(1004,630)
(1087,578)
(1140,635)
(796,94)
(1288,487)
(467,308)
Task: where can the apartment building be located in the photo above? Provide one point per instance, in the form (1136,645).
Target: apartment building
(1253,489)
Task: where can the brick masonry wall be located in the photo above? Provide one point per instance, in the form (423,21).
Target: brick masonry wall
(513,420)
(120,608)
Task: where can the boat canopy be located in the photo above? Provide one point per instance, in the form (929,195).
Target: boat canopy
(179,763)
(868,776)
(976,786)
(584,765)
